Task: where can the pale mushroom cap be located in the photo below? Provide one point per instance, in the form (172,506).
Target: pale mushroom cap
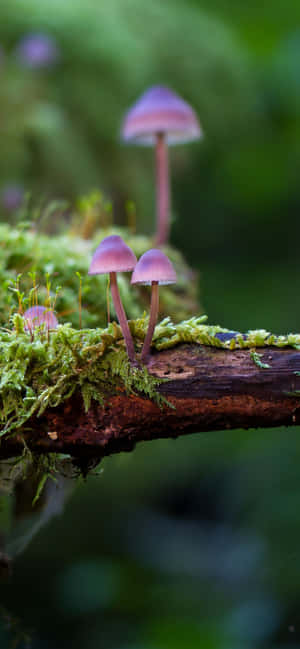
(154,266)
(112,256)
(160,110)
(37,316)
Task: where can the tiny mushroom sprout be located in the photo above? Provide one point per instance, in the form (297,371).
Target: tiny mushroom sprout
(160,117)
(39,316)
(114,256)
(154,268)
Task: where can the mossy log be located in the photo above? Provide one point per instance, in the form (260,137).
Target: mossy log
(206,389)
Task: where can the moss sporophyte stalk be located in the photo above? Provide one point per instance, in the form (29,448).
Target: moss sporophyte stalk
(41,373)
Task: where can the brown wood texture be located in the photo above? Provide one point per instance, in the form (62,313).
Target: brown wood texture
(208,388)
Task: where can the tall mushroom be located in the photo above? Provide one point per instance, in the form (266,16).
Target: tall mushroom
(114,256)
(154,268)
(160,117)
(38,316)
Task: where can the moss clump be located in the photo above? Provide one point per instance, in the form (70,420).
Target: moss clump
(44,372)
(63,257)
(195,330)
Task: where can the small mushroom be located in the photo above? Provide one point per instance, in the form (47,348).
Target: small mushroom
(114,256)
(154,268)
(160,117)
(38,316)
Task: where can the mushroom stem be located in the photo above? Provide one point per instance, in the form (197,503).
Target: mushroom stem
(152,322)
(162,190)
(121,316)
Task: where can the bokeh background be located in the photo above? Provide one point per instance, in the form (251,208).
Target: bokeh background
(190,544)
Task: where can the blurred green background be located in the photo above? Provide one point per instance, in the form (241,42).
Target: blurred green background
(194,543)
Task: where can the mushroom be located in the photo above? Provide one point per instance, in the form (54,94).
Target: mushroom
(160,117)
(114,256)
(154,268)
(38,316)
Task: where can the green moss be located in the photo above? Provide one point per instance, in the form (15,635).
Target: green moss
(41,373)
(44,372)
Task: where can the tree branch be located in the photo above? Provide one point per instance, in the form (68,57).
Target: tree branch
(207,388)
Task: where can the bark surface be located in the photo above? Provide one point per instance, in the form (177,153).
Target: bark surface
(207,388)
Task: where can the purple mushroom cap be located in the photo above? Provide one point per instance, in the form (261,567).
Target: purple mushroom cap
(37,50)
(112,256)
(160,110)
(154,266)
(37,316)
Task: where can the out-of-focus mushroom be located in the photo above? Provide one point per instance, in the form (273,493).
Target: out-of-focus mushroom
(114,256)
(39,316)
(12,197)
(37,50)
(160,117)
(154,268)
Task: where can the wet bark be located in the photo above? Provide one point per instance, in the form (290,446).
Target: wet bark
(207,389)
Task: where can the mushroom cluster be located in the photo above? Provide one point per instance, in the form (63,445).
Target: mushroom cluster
(159,118)
(114,256)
